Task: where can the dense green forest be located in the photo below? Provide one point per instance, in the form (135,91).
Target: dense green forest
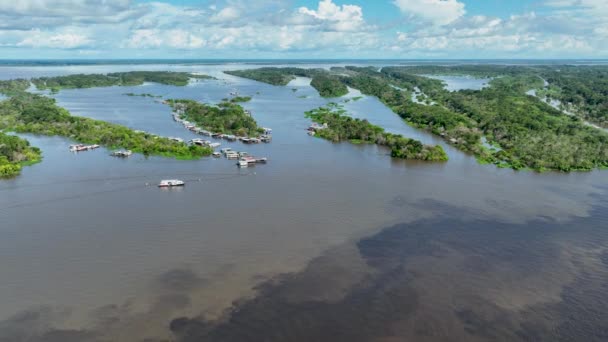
(327,84)
(530,133)
(13,87)
(227,117)
(525,132)
(341,127)
(29,113)
(15,152)
(131,78)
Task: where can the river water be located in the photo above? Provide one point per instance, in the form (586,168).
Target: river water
(327,241)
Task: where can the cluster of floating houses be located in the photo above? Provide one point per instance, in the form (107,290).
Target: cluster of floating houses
(266,137)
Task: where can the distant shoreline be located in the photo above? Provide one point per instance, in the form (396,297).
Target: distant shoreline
(212,61)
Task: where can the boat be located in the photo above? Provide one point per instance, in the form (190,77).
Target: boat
(176,139)
(216,154)
(168,183)
(122,153)
(199,142)
(243,154)
(266,138)
(225,150)
(230,137)
(242,163)
(263,160)
(81,147)
(214,145)
(267,130)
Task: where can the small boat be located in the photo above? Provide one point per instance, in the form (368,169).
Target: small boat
(214,145)
(216,154)
(176,139)
(261,160)
(242,163)
(225,150)
(122,153)
(243,154)
(216,135)
(267,130)
(266,138)
(199,142)
(168,183)
(229,137)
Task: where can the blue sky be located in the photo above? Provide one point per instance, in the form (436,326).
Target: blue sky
(303,29)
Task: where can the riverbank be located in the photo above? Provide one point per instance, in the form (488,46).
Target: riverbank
(336,127)
(29,113)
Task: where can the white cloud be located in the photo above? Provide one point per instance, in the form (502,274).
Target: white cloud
(38,39)
(340,18)
(225,15)
(439,12)
(153,38)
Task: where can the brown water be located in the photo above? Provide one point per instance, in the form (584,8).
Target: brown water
(326,242)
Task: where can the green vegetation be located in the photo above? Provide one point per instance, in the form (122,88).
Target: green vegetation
(143,95)
(226,117)
(326,84)
(131,78)
(531,134)
(29,113)
(341,127)
(240,99)
(13,87)
(329,85)
(14,153)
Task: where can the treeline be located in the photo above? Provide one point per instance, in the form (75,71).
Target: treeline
(227,117)
(131,78)
(13,87)
(581,89)
(29,113)
(328,85)
(530,133)
(14,153)
(341,127)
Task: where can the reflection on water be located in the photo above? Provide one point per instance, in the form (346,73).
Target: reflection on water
(454,277)
(91,249)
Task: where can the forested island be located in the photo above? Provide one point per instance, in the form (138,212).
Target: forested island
(16,152)
(524,130)
(131,78)
(143,95)
(31,113)
(341,127)
(227,117)
(328,85)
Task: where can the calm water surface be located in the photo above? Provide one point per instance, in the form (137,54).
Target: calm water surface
(325,242)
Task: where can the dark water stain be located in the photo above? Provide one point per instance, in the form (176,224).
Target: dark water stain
(450,278)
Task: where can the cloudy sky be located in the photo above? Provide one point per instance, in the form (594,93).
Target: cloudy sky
(243,29)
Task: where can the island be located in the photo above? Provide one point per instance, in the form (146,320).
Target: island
(336,127)
(505,123)
(143,95)
(16,152)
(328,85)
(227,117)
(131,78)
(31,113)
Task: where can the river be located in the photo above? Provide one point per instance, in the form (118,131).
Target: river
(325,242)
